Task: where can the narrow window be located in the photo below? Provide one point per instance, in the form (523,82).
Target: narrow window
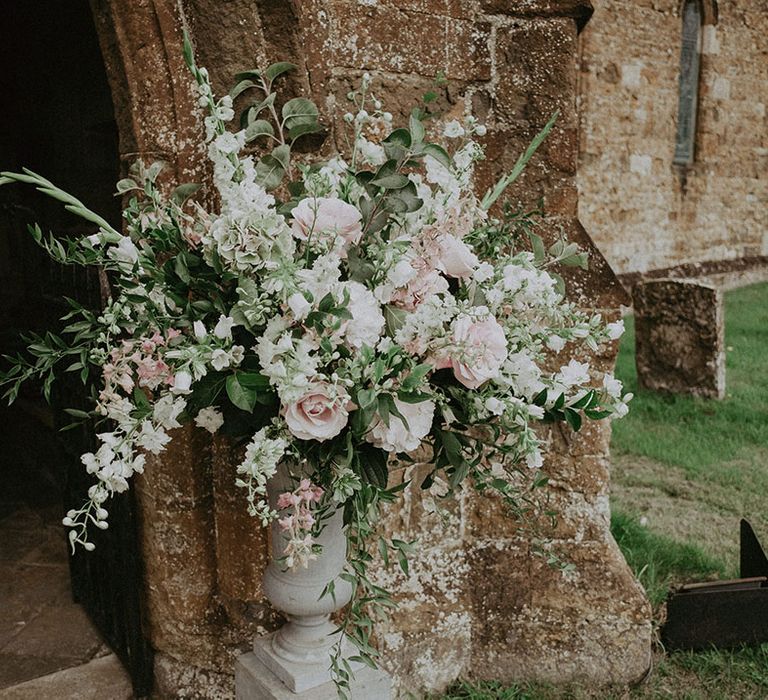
(690,54)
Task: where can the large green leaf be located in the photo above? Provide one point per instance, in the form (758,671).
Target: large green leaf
(269,172)
(243,397)
(373,465)
(277,69)
(259,127)
(299,110)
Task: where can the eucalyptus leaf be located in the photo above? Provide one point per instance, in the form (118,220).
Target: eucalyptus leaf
(283,154)
(260,127)
(241,87)
(269,172)
(183,192)
(277,69)
(395,181)
(126,185)
(299,110)
(417,128)
(302,129)
(439,154)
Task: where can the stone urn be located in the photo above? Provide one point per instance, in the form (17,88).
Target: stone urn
(294,661)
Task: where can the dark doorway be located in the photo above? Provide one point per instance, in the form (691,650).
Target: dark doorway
(57,119)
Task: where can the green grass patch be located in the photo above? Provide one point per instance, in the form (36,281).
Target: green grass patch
(659,561)
(701,435)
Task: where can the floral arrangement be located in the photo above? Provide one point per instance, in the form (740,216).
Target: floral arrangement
(334,314)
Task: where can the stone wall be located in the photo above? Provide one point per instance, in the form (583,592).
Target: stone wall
(643,212)
(478,602)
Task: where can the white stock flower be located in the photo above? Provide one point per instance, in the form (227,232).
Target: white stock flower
(167,409)
(615,329)
(210,419)
(299,306)
(453,129)
(125,251)
(182,382)
(612,385)
(223,329)
(483,273)
(367,322)
(573,373)
(152,439)
(555,343)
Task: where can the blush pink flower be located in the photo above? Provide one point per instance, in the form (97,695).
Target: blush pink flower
(320,414)
(324,219)
(480,349)
(425,284)
(454,257)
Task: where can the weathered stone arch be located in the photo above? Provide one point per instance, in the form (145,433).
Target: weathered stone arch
(203,555)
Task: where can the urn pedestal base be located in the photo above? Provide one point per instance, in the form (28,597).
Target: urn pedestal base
(262,675)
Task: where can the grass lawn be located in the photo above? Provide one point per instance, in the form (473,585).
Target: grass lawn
(690,468)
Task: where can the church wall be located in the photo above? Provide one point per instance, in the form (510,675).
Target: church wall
(643,212)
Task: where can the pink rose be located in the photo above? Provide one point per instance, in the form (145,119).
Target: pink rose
(320,414)
(324,219)
(455,257)
(480,350)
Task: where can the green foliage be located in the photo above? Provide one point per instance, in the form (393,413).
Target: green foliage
(492,195)
(660,561)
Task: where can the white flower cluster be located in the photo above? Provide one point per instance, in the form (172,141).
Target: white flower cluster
(262,455)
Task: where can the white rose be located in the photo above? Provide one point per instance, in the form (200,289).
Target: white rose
(397,437)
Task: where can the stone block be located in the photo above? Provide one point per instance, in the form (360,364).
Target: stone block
(578,10)
(543,623)
(680,337)
(255,681)
(394,39)
(536,72)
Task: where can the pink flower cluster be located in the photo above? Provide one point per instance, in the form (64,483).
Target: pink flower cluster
(138,363)
(298,524)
